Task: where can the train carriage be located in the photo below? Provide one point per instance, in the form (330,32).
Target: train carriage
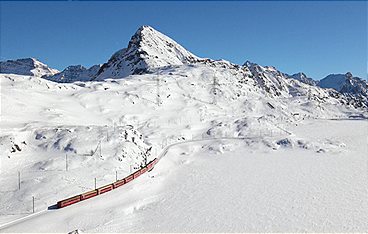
(105,189)
(68,201)
(118,183)
(89,194)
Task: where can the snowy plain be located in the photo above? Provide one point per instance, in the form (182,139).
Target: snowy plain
(243,189)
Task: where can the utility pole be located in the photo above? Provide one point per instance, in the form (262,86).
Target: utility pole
(66,162)
(107,133)
(158,100)
(116,175)
(100,150)
(33,204)
(215,90)
(18,180)
(95,183)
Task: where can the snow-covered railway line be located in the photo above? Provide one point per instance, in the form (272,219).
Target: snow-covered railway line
(139,208)
(159,157)
(167,148)
(19,220)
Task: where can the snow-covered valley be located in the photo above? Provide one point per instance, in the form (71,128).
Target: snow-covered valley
(245,188)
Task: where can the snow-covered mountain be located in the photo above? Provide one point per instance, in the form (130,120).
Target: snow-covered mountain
(304,78)
(147,49)
(345,83)
(353,87)
(75,73)
(279,84)
(150,51)
(26,66)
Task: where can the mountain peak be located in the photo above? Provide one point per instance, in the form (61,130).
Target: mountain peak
(349,75)
(249,64)
(142,34)
(148,49)
(301,74)
(146,28)
(302,77)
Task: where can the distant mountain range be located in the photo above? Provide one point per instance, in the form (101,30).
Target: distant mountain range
(149,50)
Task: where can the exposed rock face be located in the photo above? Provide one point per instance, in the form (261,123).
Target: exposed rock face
(269,78)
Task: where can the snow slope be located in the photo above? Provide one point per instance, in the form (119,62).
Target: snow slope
(246,188)
(72,118)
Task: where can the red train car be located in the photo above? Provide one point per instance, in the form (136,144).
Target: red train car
(136,174)
(89,194)
(68,201)
(143,170)
(129,178)
(118,183)
(152,164)
(105,189)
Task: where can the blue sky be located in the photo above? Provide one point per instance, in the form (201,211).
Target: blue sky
(317,38)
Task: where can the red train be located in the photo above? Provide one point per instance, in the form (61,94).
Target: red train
(106,188)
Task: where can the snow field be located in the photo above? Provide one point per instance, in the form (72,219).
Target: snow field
(57,119)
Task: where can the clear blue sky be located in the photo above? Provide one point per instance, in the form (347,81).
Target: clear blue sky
(317,38)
